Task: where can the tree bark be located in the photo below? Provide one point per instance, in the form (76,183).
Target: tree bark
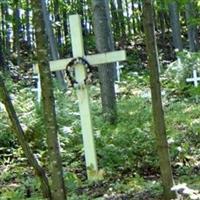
(48,104)
(175,25)
(121,21)
(2,61)
(192,28)
(158,114)
(104,43)
(52,43)
(27,17)
(115,20)
(16,32)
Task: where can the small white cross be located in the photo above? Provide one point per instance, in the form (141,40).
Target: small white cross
(194,79)
(38,88)
(118,67)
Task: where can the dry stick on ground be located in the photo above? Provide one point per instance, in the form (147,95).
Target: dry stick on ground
(4,97)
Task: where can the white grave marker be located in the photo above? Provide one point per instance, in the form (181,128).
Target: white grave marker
(119,67)
(38,88)
(82,90)
(195,80)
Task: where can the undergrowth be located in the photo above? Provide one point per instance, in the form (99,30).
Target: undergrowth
(126,151)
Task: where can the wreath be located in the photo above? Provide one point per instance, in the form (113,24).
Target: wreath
(68,71)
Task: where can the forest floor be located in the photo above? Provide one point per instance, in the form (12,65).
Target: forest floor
(126,151)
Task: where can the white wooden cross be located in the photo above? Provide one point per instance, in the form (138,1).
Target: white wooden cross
(119,67)
(38,88)
(82,90)
(195,80)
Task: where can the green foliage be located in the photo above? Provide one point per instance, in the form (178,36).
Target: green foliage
(72,181)
(6,136)
(183,129)
(133,127)
(126,152)
(174,77)
(181,69)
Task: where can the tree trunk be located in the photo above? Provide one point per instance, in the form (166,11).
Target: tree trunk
(52,43)
(115,20)
(57,20)
(104,43)
(8,33)
(133,17)
(128,21)
(16,32)
(55,169)
(121,22)
(27,16)
(2,61)
(175,25)
(65,27)
(4,97)
(3,26)
(158,114)
(192,28)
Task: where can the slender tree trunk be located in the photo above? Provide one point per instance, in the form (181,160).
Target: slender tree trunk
(57,19)
(104,43)
(3,27)
(133,17)
(8,33)
(65,26)
(27,16)
(175,25)
(52,43)
(128,21)
(4,97)
(55,168)
(162,24)
(192,28)
(115,20)
(121,22)
(16,31)
(5,36)
(2,61)
(158,114)
(139,18)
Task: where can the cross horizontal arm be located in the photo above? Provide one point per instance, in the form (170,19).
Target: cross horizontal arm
(97,59)
(108,57)
(192,79)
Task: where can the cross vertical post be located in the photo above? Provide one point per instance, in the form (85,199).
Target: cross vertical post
(82,93)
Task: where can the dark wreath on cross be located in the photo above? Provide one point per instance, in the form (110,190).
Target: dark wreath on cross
(70,66)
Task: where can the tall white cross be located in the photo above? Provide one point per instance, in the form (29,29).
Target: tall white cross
(82,90)
(194,79)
